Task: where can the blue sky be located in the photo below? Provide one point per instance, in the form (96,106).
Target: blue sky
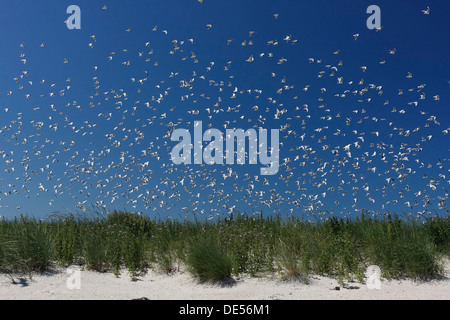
(78,105)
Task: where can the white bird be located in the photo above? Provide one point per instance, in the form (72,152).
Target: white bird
(427,11)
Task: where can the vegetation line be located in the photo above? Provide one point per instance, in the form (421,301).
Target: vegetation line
(238,244)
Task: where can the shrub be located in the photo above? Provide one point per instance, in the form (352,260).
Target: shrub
(209,262)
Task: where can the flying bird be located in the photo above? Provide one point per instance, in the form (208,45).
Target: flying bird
(427,11)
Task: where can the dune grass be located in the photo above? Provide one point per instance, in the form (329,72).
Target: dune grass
(209,262)
(237,244)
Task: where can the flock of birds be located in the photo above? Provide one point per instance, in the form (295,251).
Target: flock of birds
(334,159)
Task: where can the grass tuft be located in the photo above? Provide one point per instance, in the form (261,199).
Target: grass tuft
(209,262)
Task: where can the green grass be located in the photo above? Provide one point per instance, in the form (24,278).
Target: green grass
(238,244)
(209,262)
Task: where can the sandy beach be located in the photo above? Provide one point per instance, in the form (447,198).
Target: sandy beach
(182,286)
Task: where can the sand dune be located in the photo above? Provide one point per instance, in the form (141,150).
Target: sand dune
(181,286)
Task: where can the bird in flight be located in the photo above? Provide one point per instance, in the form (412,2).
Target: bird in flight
(427,11)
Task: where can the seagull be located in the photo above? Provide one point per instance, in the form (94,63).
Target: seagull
(427,11)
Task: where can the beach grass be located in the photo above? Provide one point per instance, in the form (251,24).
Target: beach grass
(209,262)
(232,245)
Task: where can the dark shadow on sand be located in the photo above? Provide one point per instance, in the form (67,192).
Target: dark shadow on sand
(227,283)
(21,282)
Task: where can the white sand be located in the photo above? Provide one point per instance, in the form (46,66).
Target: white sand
(181,286)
